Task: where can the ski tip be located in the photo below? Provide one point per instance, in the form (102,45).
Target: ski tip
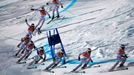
(77,72)
(83,72)
(20,62)
(52,71)
(48,71)
(29,67)
(65,66)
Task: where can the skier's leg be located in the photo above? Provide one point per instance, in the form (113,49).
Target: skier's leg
(77,67)
(42,22)
(85,63)
(44,57)
(28,54)
(39,29)
(38,59)
(114,65)
(30,34)
(122,62)
(23,50)
(57,62)
(39,22)
(53,12)
(57,10)
(47,68)
(18,52)
(63,60)
(21,58)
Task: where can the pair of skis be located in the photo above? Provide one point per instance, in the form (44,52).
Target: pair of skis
(50,70)
(56,18)
(34,66)
(114,68)
(81,70)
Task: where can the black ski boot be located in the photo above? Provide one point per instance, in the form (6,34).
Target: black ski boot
(58,16)
(121,65)
(39,31)
(84,66)
(52,17)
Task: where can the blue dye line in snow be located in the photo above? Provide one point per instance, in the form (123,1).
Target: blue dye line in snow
(69,6)
(98,62)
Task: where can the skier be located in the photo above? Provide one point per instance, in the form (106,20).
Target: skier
(60,56)
(85,58)
(43,13)
(40,55)
(29,48)
(27,39)
(31,28)
(56,4)
(121,57)
(22,45)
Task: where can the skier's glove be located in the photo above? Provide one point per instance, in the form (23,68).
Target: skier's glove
(25,20)
(61,6)
(32,9)
(49,16)
(126,56)
(47,3)
(79,58)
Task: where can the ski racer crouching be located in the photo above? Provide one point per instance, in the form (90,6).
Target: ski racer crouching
(60,56)
(85,58)
(29,47)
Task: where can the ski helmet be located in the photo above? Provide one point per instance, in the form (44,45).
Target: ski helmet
(122,46)
(89,49)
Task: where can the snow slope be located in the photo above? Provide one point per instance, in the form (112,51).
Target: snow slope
(92,23)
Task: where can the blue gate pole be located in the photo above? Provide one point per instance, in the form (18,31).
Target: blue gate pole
(61,43)
(51,48)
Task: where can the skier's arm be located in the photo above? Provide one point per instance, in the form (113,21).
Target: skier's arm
(91,60)
(79,57)
(26,22)
(61,4)
(35,47)
(20,42)
(48,14)
(34,9)
(18,45)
